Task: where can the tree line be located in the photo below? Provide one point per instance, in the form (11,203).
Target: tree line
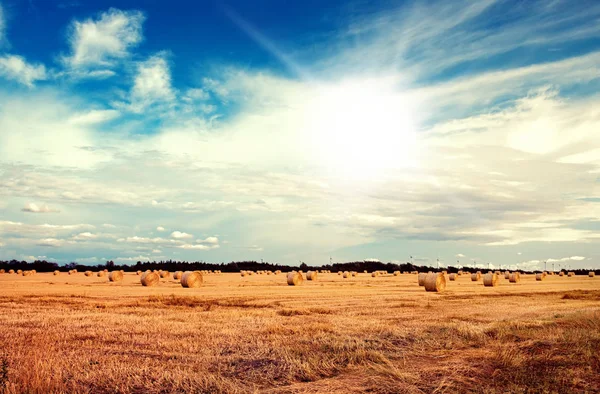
(235,266)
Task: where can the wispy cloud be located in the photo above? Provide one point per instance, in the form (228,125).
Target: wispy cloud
(35,208)
(16,68)
(98,43)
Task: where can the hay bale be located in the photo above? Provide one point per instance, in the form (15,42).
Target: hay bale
(476,277)
(2,271)
(453,277)
(421,278)
(515,277)
(165,274)
(570,274)
(101,274)
(340,272)
(138,272)
(150,278)
(506,275)
(190,279)
(375,274)
(435,282)
(346,274)
(177,275)
(561,273)
(56,272)
(11,271)
(294,278)
(490,279)
(592,274)
(539,277)
(88,273)
(311,275)
(396,273)
(115,276)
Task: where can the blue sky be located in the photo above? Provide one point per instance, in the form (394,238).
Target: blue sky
(296,131)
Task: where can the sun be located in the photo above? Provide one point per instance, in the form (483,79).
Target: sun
(362,130)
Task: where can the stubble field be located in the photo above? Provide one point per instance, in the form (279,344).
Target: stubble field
(77,334)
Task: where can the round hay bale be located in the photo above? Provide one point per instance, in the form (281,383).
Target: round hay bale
(311,275)
(177,275)
(346,274)
(294,278)
(476,277)
(539,277)
(243,273)
(561,273)
(340,272)
(138,273)
(353,273)
(396,273)
(190,279)
(506,275)
(150,278)
(490,280)
(88,273)
(592,274)
(421,278)
(19,272)
(115,276)
(165,274)
(453,277)
(56,272)
(11,271)
(375,274)
(570,274)
(435,282)
(2,271)
(101,274)
(515,277)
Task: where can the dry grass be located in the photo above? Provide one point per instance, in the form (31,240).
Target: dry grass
(257,334)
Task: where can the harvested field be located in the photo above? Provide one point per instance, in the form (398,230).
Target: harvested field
(384,334)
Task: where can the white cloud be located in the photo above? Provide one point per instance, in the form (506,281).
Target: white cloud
(85,236)
(160,228)
(16,68)
(180,235)
(50,242)
(198,247)
(572,258)
(100,42)
(208,240)
(195,94)
(459,255)
(93,117)
(152,84)
(35,208)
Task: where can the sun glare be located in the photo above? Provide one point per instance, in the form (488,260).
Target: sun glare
(362,130)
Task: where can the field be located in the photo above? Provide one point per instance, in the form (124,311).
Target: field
(257,335)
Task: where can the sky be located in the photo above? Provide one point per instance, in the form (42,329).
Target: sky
(292,131)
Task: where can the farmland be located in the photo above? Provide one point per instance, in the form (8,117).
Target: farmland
(385,334)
